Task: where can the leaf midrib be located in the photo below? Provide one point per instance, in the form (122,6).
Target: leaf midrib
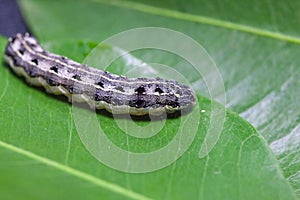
(200,19)
(74,172)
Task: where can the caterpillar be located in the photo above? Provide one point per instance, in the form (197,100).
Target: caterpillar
(60,75)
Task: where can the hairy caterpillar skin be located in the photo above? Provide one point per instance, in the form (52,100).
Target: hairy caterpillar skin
(100,89)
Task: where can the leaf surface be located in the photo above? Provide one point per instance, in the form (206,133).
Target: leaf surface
(260,75)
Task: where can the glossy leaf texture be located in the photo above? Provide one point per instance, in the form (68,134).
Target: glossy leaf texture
(261,81)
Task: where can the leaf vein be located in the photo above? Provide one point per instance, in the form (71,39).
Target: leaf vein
(200,19)
(79,174)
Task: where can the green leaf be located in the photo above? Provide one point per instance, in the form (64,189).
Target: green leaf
(40,143)
(261,77)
